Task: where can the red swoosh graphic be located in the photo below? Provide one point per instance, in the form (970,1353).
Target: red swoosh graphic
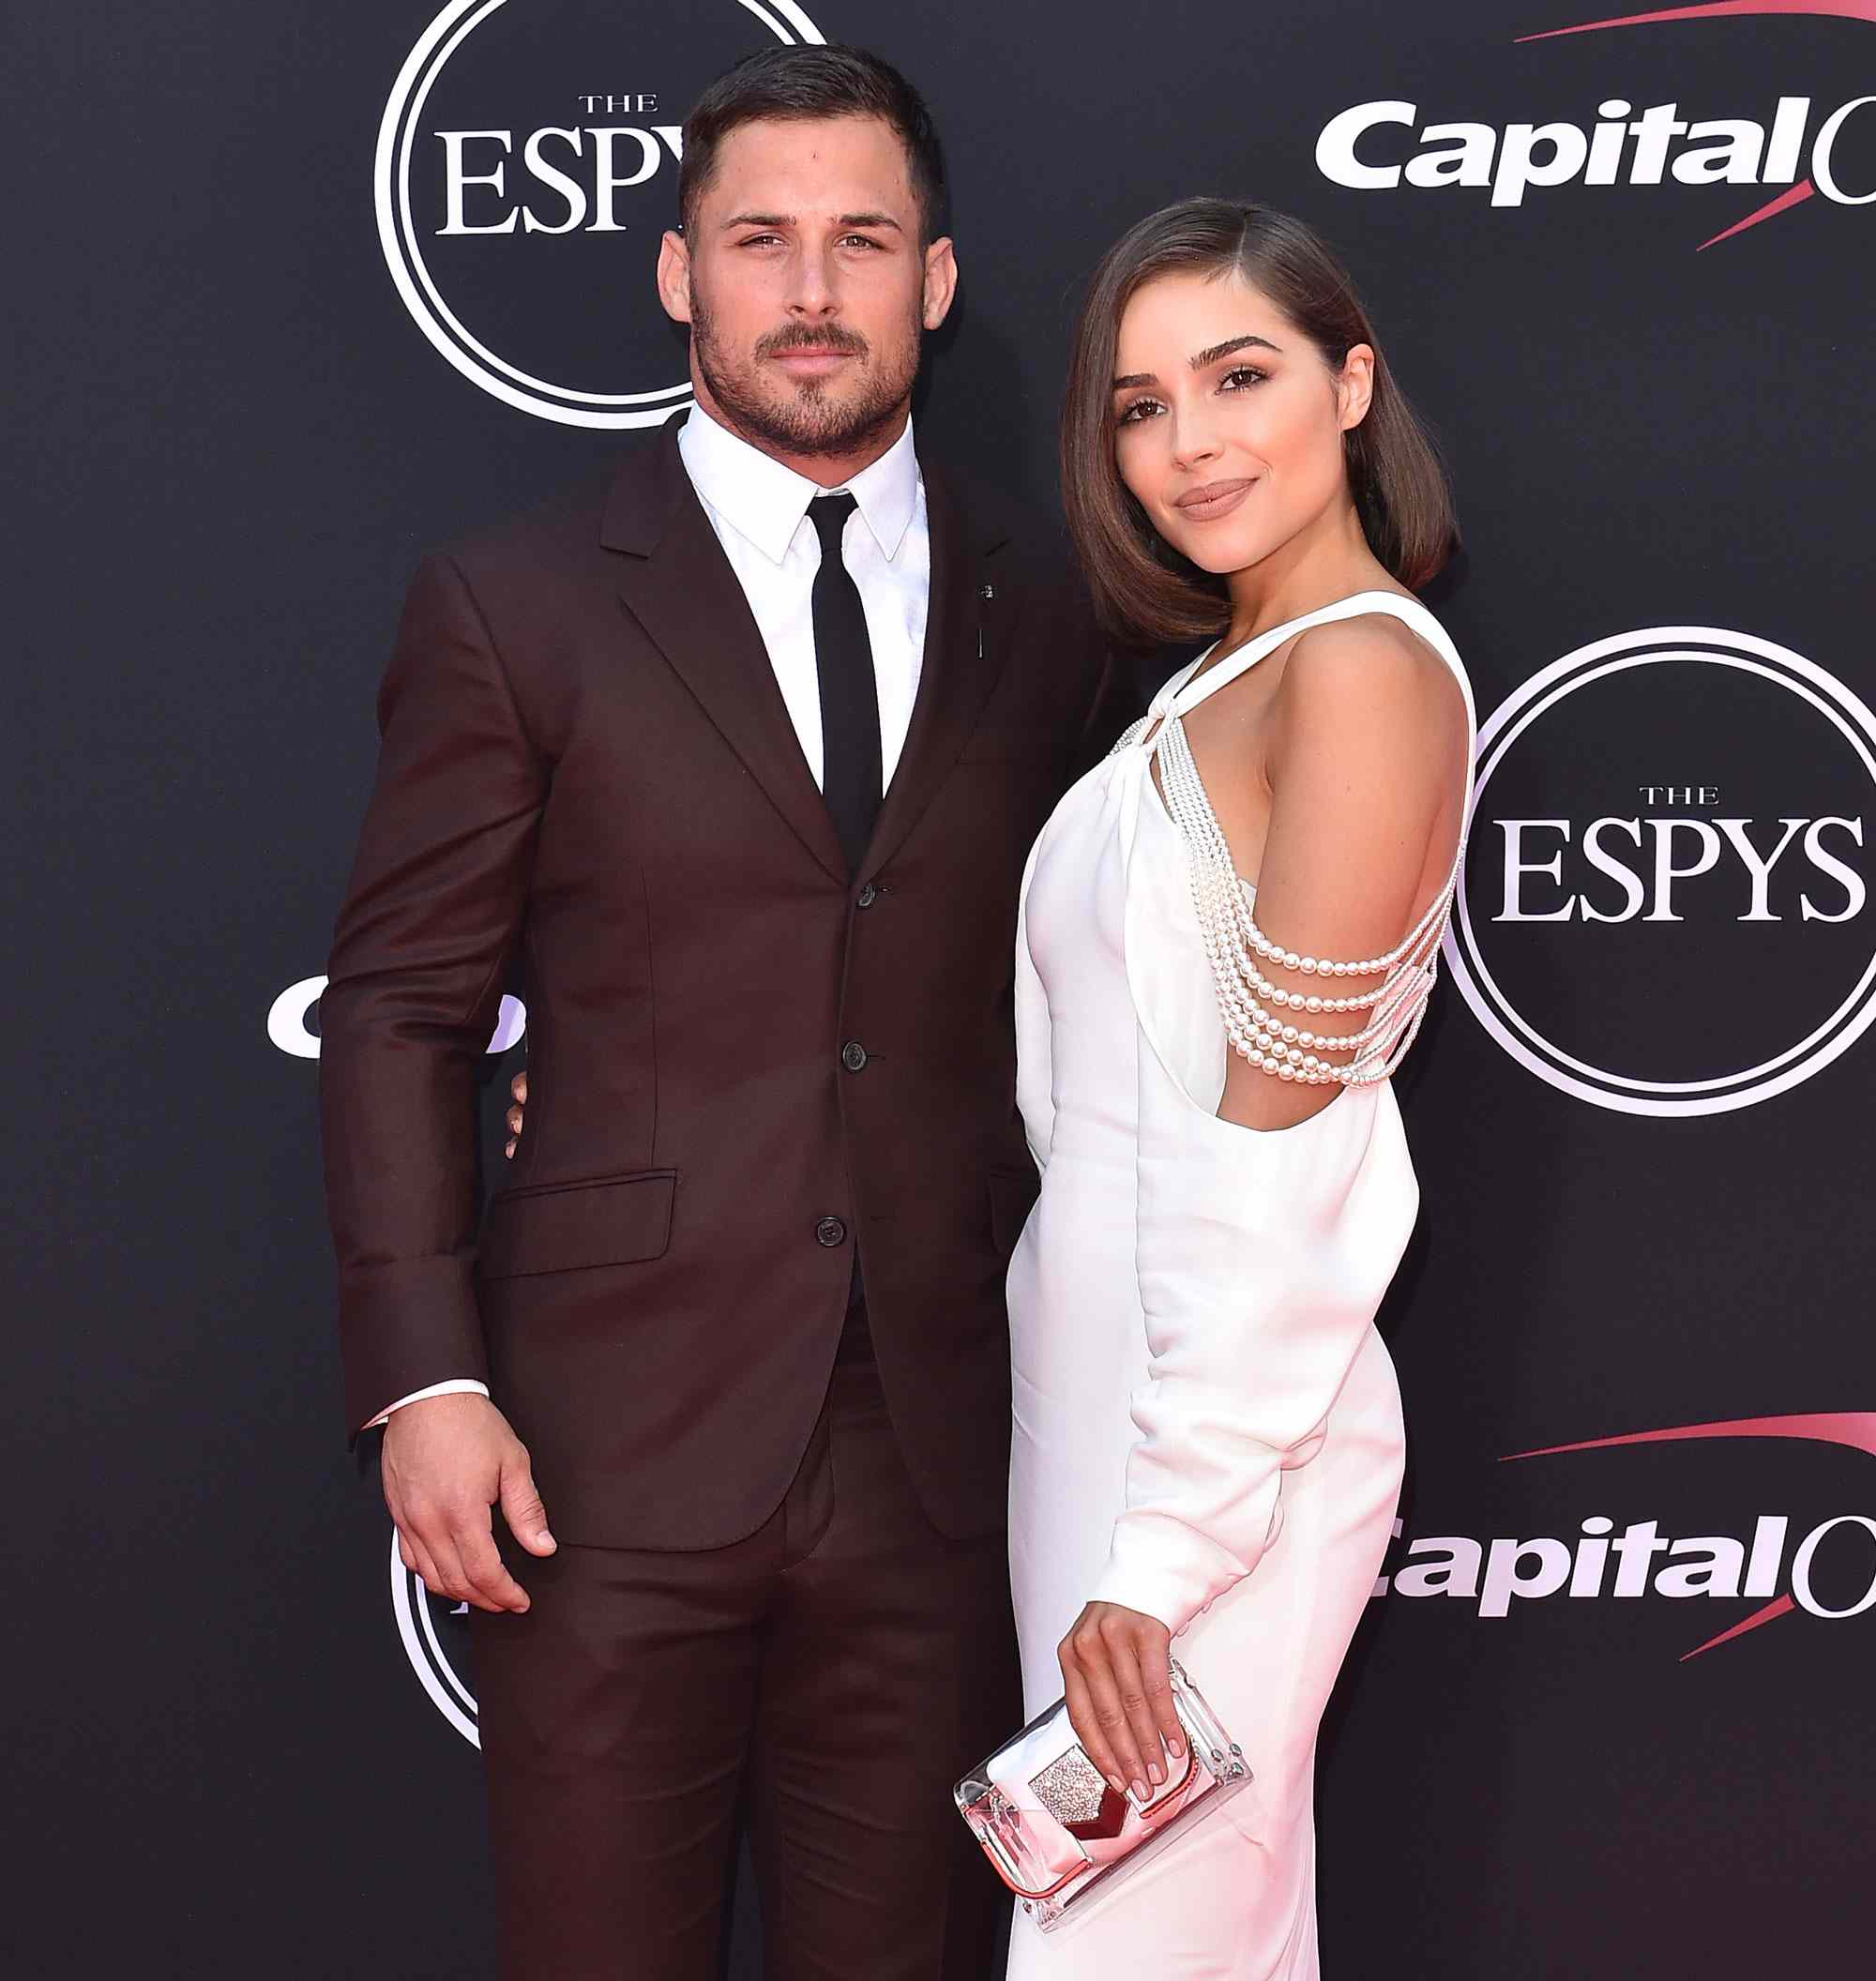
(1854,1428)
(1782,1607)
(1719,10)
(1791,196)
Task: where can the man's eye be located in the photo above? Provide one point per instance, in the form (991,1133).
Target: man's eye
(859,240)
(759,240)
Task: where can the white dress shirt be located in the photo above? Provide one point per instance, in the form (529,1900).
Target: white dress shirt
(758,510)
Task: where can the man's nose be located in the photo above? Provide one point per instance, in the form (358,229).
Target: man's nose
(812,291)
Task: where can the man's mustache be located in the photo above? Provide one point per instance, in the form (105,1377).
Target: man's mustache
(799,337)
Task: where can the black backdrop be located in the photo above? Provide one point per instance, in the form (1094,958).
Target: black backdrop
(235,1747)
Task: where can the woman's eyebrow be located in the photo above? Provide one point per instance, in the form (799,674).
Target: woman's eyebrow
(1199,360)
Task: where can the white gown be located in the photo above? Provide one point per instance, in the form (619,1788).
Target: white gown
(1206,1426)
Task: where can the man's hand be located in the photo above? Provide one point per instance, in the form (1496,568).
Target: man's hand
(1117,1675)
(445,1461)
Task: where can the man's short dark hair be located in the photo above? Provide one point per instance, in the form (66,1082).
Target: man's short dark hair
(797,83)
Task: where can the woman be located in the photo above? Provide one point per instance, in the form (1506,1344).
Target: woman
(1207,1438)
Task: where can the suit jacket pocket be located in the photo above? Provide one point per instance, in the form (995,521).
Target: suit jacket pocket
(1013,1192)
(561,1227)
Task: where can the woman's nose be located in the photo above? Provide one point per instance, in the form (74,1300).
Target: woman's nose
(1195,442)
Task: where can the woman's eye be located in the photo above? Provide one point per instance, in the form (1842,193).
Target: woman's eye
(1240,376)
(1140,409)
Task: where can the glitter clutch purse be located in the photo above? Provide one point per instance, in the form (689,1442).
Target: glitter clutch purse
(1057,1832)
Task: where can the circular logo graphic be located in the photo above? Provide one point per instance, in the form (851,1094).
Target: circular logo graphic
(434,1634)
(1665,906)
(526,171)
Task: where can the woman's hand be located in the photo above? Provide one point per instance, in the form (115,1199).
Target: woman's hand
(517,1087)
(1117,1675)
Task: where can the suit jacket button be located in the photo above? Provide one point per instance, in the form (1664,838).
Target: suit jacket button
(830,1231)
(852,1055)
(867,896)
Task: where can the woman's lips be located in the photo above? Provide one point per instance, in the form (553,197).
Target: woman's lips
(1215,499)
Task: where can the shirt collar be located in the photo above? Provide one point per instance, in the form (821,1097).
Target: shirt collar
(765,500)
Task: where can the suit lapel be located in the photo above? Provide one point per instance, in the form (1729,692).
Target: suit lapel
(963,656)
(680,586)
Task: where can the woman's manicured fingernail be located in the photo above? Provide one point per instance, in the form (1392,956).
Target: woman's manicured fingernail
(1140,1792)
(1157,1773)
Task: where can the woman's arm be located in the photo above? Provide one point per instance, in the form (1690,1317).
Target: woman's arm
(1264,1256)
(1365,758)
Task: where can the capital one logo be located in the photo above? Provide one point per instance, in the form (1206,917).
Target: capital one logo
(290,1017)
(1666,909)
(1828,1573)
(526,171)
(1795,144)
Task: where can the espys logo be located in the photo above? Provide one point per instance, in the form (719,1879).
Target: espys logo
(525,173)
(1362,147)
(434,1632)
(1660,925)
(1838,1552)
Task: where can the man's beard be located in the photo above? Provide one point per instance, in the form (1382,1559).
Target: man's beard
(803,419)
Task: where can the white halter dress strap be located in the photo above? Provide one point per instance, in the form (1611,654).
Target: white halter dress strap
(1186,692)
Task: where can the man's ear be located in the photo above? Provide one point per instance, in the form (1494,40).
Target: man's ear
(674,276)
(941,281)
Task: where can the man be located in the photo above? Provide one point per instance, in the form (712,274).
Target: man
(743,772)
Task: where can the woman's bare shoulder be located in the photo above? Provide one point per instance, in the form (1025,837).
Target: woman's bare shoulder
(1369,680)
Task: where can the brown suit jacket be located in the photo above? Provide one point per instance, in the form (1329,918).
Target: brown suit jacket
(587,767)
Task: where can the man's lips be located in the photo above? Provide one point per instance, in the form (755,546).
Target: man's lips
(813,360)
(1214,499)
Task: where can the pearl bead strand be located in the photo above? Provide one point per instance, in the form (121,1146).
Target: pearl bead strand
(1272,1040)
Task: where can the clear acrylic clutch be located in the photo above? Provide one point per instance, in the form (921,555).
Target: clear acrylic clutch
(1056,1832)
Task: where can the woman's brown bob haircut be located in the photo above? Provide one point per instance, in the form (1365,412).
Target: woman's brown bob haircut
(1143,588)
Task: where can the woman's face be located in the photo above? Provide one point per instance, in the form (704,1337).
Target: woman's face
(1228,423)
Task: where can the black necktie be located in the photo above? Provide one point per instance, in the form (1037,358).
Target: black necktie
(850,730)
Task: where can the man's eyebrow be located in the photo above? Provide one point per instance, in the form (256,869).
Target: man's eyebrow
(788,219)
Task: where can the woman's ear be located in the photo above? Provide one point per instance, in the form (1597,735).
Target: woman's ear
(1354,386)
